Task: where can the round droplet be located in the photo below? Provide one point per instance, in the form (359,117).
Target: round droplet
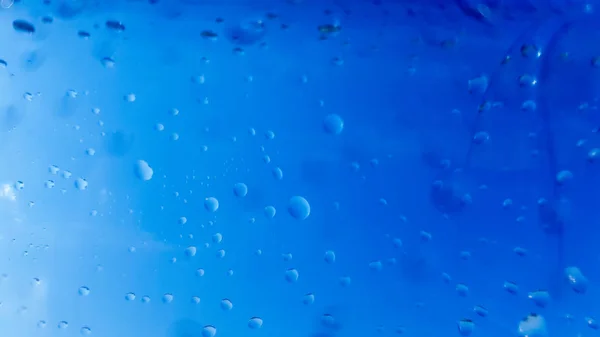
(84,291)
(277,173)
(211,204)
(578,282)
(299,208)
(255,323)
(217,238)
(270,212)
(209,331)
(533,325)
(190,251)
(329,256)
(130,296)
(563,176)
(143,171)
(167,298)
(333,124)
(308,299)
(81,184)
(465,327)
(85,331)
(200,272)
(541,298)
(63,324)
(240,190)
(291,275)
(226,304)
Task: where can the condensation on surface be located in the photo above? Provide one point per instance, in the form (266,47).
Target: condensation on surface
(299,168)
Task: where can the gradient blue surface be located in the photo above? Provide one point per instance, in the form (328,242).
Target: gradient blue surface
(299,168)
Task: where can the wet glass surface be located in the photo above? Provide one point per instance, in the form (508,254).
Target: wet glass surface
(299,168)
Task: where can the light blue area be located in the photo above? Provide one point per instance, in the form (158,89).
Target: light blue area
(299,168)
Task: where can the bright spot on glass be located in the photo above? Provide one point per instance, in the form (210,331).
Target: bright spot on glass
(143,171)
(211,204)
(333,124)
(299,208)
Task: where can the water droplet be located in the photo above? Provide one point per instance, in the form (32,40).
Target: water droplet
(143,171)
(81,184)
(211,204)
(167,298)
(209,331)
(226,304)
(333,124)
(270,212)
(130,296)
(190,251)
(299,208)
(84,291)
(308,299)
(86,330)
(329,256)
(291,275)
(255,323)
(240,190)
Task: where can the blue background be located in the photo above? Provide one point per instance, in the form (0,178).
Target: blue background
(405,77)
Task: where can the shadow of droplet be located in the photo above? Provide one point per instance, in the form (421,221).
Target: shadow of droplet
(68,105)
(10,118)
(70,9)
(119,143)
(32,60)
(185,328)
(246,33)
